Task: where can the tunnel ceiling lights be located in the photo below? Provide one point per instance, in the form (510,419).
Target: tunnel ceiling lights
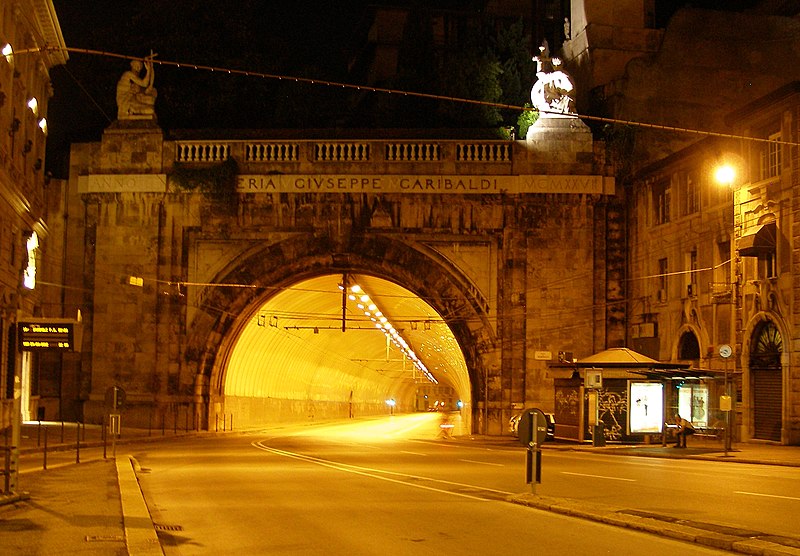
(366,305)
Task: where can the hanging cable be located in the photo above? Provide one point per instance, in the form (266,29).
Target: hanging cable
(323,82)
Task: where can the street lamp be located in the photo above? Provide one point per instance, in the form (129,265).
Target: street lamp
(726,174)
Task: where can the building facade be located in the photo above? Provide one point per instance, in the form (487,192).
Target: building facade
(712,263)
(668,261)
(26,27)
(473,227)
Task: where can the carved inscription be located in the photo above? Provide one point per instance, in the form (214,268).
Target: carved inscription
(333,183)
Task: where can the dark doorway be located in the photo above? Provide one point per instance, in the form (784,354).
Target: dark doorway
(767,381)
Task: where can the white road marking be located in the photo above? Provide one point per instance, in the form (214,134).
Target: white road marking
(377,473)
(482,462)
(766,495)
(599,476)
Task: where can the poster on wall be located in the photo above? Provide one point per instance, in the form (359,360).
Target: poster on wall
(645,407)
(693,403)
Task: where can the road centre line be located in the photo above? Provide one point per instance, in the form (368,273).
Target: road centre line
(482,462)
(374,473)
(598,476)
(766,495)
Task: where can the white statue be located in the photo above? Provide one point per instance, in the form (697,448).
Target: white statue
(551,94)
(136,96)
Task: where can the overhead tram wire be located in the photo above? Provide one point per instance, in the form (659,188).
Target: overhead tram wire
(370,88)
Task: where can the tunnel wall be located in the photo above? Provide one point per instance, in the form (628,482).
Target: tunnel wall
(249,412)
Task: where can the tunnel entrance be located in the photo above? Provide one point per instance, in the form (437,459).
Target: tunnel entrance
(340,346)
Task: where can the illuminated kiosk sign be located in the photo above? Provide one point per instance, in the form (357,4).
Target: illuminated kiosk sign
(645,407)
(49,335)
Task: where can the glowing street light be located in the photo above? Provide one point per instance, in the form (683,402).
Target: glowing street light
(725,174)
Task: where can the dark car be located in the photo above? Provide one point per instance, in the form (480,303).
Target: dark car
(513,424)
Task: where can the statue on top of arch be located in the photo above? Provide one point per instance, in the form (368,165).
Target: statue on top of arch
(552,93)
(136,95)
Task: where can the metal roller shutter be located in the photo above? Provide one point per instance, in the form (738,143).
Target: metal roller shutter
(768,394)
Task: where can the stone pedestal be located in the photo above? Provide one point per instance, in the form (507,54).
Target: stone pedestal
(132,145)
(561,140)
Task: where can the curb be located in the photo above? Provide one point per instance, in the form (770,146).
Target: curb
(666,527)
(141,538)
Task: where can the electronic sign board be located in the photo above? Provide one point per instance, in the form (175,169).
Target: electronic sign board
(48,335)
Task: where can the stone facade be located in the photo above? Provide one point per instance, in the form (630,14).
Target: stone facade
(133,211)
(25,26)
(712,264)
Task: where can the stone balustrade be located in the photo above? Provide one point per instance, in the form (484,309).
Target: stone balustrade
(343,151)
(195,151)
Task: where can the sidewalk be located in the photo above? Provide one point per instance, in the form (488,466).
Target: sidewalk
(92,507)
(96,507)
(761,453)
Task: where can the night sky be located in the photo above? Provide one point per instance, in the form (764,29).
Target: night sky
(312,39)
(304,38)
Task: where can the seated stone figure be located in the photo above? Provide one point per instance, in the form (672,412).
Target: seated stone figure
(136,96)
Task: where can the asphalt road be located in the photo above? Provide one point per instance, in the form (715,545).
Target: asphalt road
(382,487)
(763,498)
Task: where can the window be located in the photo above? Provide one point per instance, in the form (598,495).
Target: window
(661,201)
(688,191)
(771,157)
(692,196)
(766,266)
(722,267)
(691,267)
(662,280)
(688,347)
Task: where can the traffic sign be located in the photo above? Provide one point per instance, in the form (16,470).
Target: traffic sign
(525,428)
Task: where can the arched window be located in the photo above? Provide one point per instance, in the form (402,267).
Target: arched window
(688,347)
(765,352)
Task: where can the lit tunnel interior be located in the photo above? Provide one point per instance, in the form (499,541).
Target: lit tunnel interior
(315,352)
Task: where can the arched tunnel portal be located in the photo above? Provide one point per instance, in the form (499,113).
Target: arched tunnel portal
(293,345)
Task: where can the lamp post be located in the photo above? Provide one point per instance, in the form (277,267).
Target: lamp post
(725,174)
(725,404)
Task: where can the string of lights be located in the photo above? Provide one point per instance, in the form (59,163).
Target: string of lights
(386,90)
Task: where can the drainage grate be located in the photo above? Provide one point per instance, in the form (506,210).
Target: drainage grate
(162,527)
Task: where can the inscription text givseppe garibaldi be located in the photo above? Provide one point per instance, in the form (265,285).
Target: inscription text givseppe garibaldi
(368,183)
(347,183)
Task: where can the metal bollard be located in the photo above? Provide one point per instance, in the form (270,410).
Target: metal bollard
(8,469)
(78,443)
(44,454)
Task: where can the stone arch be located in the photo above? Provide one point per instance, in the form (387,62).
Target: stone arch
(764,360)
(688,345)
(211,334)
